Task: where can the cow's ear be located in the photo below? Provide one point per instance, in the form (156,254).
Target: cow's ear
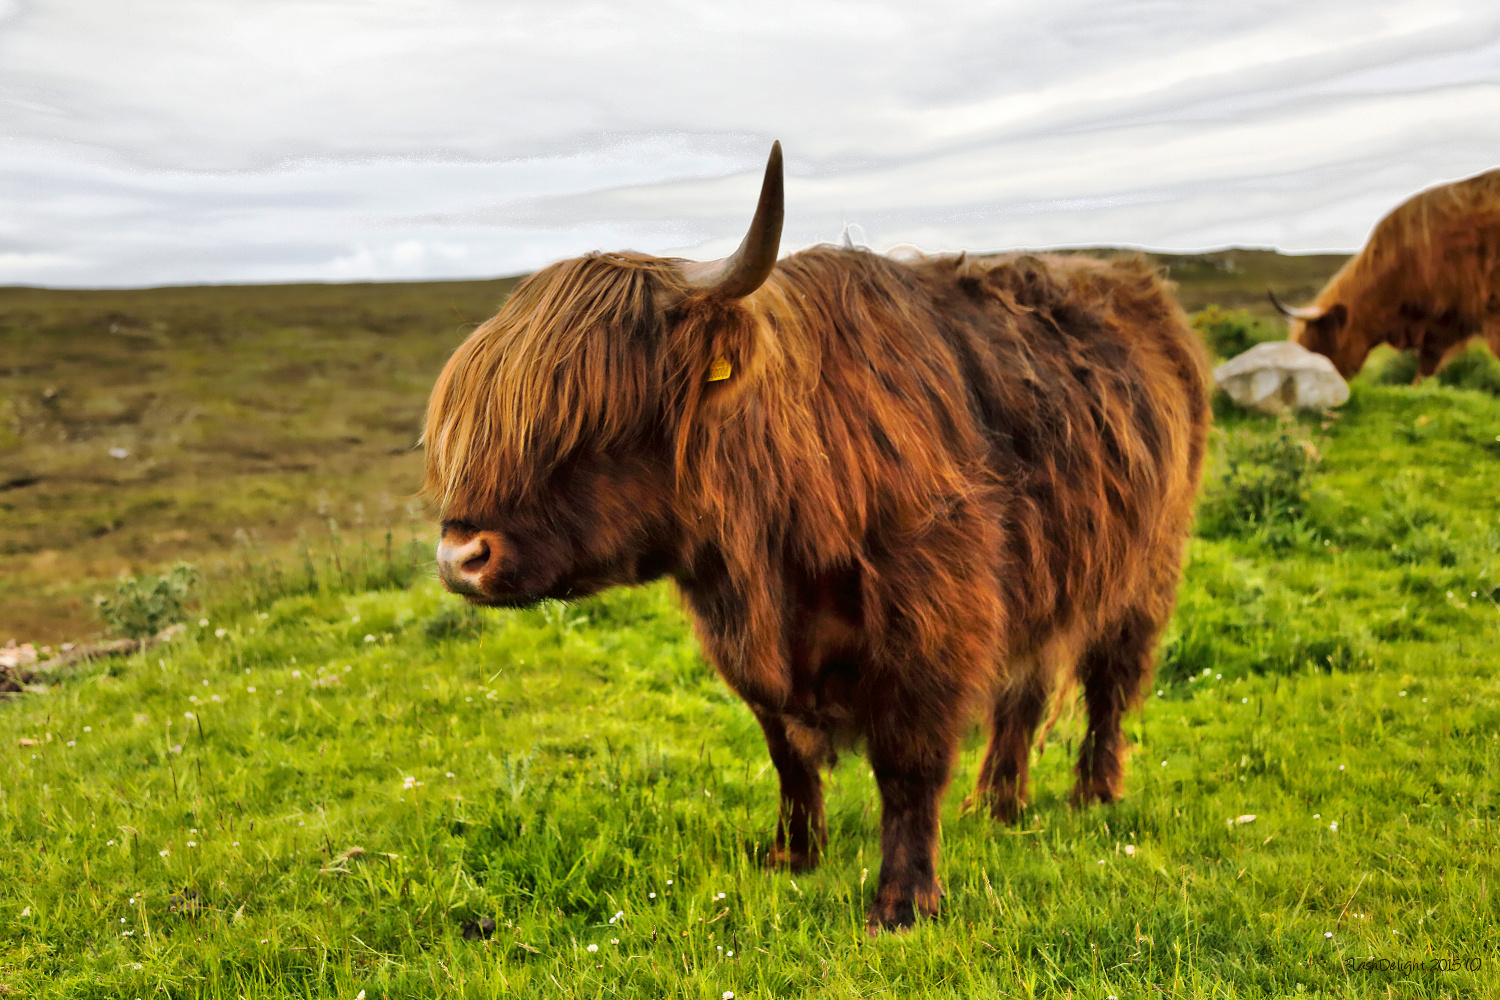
(1323,330)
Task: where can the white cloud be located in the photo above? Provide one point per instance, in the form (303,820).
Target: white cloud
(150,141)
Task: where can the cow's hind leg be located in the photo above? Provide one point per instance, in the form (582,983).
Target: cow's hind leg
(1014,716)
(1111,671)
(797,754)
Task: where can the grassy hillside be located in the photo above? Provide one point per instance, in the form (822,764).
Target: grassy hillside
(241,418)
(318,787)
(247,417)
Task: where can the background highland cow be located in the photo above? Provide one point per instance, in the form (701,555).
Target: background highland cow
(1427,281)
(892,493)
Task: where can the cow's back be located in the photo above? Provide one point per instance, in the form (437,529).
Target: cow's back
(1093,393)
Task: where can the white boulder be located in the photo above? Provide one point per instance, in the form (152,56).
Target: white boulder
(1279,374)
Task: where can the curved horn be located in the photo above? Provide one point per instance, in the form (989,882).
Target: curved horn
(1306,314)
(742,272)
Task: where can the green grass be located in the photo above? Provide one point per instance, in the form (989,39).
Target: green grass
(553,768)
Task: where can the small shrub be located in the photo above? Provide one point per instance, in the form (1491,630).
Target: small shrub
(144,605)
(1229,334)
(1264,493)
(1388,367)
(1475,368)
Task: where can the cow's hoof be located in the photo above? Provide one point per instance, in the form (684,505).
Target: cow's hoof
(1086,793)
(1006,809)
(898,914)
(898,917)
(785,859)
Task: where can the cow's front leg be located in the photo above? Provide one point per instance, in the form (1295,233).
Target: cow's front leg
(912,764)
(800,830)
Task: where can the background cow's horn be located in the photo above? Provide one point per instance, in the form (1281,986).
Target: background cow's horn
(742,272)
(1307,313)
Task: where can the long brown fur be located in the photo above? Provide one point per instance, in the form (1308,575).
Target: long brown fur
(928,489)
(1428,281)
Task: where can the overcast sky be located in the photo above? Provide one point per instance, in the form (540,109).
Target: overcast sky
(188,141)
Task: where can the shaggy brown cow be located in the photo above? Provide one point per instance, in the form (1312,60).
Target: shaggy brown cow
(1427,281)
(891,494)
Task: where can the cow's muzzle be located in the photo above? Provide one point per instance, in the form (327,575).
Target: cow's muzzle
(467,561)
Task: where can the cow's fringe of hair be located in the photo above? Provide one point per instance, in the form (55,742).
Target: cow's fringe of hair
(569,359)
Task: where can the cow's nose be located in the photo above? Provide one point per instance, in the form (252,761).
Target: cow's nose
(462,565)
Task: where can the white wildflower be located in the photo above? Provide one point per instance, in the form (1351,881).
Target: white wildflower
(593,948)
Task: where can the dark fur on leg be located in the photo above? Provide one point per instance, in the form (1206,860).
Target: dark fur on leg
(800,831)
(911,786)
(1002,785)
(1112,671)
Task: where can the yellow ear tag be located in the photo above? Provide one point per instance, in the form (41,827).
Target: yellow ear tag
(719,370)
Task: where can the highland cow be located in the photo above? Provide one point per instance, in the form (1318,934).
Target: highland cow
(892,494)
(1427,281)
